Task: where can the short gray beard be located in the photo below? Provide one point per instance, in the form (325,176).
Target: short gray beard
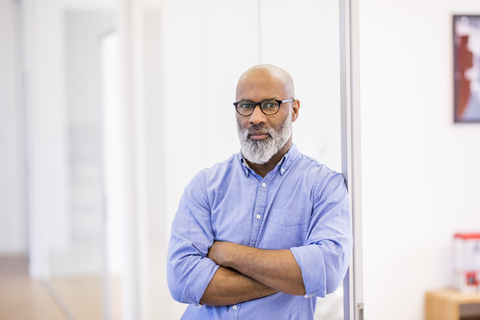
(261,151)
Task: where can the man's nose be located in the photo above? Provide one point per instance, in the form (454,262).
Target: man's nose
(257,116)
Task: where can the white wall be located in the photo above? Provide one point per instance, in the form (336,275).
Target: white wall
(79,230)
(46,131)
(421,173)
(44,62)
(13,234)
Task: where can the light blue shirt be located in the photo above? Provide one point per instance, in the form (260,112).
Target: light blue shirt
(300,205)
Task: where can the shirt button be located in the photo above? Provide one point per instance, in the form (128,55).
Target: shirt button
(246,171)
(234,307)
(264,184)
(282,170)
(258,216)
(306,296)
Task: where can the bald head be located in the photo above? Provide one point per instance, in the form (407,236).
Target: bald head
(264,77)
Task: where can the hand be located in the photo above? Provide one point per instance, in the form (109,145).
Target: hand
(218,252)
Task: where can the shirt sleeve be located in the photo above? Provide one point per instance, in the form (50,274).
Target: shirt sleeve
(189,271)
(326,253)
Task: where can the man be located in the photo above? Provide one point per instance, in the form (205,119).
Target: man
(264,233)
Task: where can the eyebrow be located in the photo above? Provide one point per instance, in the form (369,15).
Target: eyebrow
(259,101)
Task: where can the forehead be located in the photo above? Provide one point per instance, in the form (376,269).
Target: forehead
(261,85)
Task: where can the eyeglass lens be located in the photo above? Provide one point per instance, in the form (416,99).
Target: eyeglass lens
(267,106)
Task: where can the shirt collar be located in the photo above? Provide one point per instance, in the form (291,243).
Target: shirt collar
(283,165)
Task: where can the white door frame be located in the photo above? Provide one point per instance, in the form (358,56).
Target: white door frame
(351,150)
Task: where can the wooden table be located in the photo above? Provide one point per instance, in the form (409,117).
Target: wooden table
(449,304)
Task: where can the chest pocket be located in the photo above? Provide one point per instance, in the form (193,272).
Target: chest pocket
(284,228)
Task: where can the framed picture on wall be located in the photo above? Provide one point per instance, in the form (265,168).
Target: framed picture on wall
(466,44)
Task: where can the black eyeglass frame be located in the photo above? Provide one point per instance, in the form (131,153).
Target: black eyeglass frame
(255,104)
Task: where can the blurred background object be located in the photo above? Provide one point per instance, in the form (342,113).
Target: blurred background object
(466,263)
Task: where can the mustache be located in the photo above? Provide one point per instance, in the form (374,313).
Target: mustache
(258,128)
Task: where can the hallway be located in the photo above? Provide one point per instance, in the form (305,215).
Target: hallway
(22,298)
(67,298)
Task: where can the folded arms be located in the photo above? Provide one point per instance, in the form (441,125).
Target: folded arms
(248,273)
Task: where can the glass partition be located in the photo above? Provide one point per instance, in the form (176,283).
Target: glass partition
(206,46)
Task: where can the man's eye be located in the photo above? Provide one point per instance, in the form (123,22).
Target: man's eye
(246,105)
(270,104)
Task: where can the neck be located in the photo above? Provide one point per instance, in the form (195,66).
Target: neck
(263,169)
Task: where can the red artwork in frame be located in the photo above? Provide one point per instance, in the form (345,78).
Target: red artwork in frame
(466,39)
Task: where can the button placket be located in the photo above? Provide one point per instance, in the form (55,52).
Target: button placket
(258,212)
(261,212)
(233,312)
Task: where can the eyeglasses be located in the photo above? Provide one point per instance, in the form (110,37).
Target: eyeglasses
(268,107)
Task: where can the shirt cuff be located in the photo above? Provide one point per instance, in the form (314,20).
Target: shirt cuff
(198,280)
(310,260)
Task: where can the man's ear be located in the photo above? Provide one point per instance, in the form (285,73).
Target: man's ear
(296,107)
